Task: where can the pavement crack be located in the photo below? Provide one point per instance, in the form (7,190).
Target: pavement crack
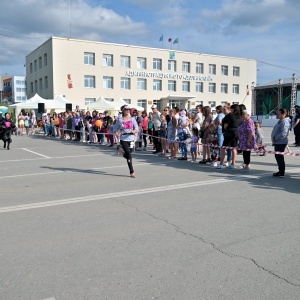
(231,255)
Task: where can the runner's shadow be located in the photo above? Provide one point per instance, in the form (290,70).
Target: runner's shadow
(85,171)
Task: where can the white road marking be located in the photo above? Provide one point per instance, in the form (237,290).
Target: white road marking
(55,157)
(127,193)
(33,174)
(42,155)
(70,171)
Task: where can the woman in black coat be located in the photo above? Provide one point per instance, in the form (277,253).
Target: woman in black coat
(6,127)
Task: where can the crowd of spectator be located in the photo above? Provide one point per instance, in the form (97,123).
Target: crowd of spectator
(169,132)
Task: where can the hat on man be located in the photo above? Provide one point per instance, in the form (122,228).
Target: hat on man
(126,107)
(154,106)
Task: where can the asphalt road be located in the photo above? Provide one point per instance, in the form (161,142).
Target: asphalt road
(74,225)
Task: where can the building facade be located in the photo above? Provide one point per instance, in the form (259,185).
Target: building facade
(14,89)
(83,71)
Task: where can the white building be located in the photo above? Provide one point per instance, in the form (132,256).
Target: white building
(84,71)
(19,88)
(14,89)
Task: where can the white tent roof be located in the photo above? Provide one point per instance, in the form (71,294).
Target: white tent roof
(121,102)
(102,104)
(59,103)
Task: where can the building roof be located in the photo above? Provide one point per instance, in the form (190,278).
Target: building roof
(274,83)
(135,46)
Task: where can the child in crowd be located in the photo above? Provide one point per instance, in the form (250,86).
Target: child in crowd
(183,123)
(139,136)
(163,134)
(194,143)
(258,133)
(213,149)
(259,139)
(90,132)
(110,127)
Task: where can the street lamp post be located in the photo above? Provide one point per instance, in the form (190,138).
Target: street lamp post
(253,100)
(293,94)
(279,94)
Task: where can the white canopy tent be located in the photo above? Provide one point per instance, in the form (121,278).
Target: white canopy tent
(58,104)
(121,102)
(102,104)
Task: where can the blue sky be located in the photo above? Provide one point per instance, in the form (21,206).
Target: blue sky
(265,30)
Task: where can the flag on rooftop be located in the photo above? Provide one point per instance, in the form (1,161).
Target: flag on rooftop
(176,41)
(161,38)
(169,40)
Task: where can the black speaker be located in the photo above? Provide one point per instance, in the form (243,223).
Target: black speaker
(41,107)
(68,106)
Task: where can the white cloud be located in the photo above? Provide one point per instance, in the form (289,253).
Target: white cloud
(257,15)
(34,18)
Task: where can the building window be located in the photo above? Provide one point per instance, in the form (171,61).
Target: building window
(89,81)
(125,61)
(212,88)
(40,84)
(172,65)
(18,89)
(141,84)
(224,88)
(89,58)
(107,82)
(186,66)
(45,60)
(125,83)
(224,70)
(172,85)
(141,63)
(35,65)
(88,101)
(157,103)
(107,60)
(142,102)
(156,85)
(35,86)
(236,71)
(31,69)
(235,89)
(24,98)
(212,69)
(223,103)
(235,103)
(197,103)
(40,62)
(185,86)
(212,104)
(18,82)
(199,87)
(176,103)
(24,90)
(127,101)
(109,99)
(31,87)
(199,68)
(156,64)
(19,98)
(46,82)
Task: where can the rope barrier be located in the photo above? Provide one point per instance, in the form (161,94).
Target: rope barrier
(259,149)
